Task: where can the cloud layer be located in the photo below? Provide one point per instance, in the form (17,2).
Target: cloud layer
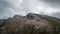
(9,8)
(53,3)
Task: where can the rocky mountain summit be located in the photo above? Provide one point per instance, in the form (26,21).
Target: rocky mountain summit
(31,24)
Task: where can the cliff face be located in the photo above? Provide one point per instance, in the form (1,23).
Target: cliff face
(31,24)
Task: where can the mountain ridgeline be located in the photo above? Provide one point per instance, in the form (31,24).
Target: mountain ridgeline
(30,24)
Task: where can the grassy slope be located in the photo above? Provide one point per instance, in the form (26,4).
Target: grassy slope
(39,24)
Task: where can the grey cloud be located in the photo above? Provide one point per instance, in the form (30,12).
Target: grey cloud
(5,9)
(2,6)
(52,3)
(9,7)
(56,14)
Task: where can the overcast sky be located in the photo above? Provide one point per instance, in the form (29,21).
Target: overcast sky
(22,7)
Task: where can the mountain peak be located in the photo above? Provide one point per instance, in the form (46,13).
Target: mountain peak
(31,24)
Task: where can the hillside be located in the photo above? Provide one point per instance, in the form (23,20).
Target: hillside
(31,24)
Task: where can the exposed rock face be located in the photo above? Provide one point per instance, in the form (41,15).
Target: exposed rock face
(31,24)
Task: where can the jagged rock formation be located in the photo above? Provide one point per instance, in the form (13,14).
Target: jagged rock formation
(31,24)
